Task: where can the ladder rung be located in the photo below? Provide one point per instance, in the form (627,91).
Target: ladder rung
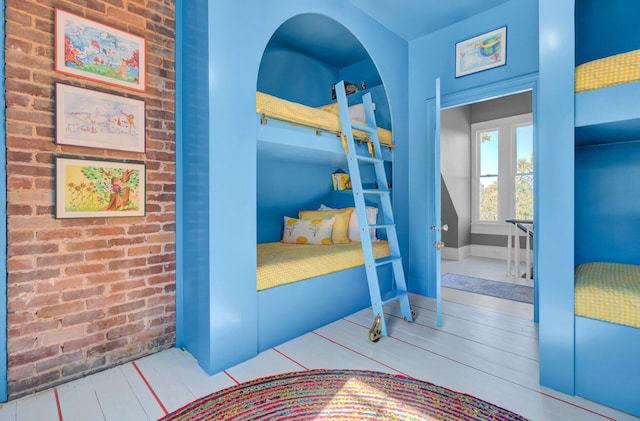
(386,260)
(369,159)
(364,128)
(382,226)
(375,191)
(393,295)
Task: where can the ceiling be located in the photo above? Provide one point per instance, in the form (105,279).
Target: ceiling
(323,38)
(412,19)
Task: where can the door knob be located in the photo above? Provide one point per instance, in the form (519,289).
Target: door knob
(439,245)
(445,227)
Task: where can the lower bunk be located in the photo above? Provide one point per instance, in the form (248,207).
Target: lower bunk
(607,334)
(304,287)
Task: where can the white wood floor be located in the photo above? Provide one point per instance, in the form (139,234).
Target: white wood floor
(489,354)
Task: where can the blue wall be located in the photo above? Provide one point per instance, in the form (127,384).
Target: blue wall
(607,203)
(431,57)
(284,188)
(296,77)
(217,299)
(604,28)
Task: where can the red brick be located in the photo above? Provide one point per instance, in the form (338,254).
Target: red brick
(60,309)
(76,278)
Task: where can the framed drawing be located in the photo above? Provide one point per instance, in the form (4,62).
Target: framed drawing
(90,50)
(99,120)
(482,52)
(99,188)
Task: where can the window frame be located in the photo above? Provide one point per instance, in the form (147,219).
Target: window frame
(506,128)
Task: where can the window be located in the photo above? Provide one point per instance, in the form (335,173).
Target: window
(502,172)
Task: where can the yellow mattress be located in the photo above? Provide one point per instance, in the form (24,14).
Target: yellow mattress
(316,118)
(609,292)
(281,263)
(609,71)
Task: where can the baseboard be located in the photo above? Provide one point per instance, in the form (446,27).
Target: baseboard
(452,253)
(477,250)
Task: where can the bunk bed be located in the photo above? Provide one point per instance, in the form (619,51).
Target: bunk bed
(300,286)
(607,294)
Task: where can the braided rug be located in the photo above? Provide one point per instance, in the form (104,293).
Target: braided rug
(339,395)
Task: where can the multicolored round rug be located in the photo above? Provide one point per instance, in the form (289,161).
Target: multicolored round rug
(339,395)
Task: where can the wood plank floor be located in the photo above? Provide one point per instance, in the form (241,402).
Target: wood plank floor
(490,355)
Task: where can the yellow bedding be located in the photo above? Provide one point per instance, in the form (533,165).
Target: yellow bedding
(283,110)
(609,292)
(280,263)
(609,71)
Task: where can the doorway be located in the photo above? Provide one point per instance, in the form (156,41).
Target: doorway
(487,174)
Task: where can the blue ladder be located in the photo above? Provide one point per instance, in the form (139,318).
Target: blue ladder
(373,157)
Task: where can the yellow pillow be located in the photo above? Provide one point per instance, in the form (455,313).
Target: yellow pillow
(312,231)
(340,234)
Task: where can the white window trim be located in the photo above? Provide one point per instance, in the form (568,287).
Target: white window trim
(506,168)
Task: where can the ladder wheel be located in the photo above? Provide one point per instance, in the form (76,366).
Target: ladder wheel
(413,315)
(375,333)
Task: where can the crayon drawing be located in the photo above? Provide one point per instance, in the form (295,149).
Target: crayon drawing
(99,120)
(94,51)
(89,189)
(482,52)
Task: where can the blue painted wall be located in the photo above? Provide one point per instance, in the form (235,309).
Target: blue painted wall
(607,206)
(218,302)
(555,155)
(286,74)
(431,57)
(604,28)
(284,188)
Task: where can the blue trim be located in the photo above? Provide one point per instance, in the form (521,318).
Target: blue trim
(3,236)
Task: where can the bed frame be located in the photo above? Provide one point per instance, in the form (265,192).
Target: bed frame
(607,366)
(291,310)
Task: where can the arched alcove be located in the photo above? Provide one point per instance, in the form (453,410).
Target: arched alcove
(305,56)
(310,52)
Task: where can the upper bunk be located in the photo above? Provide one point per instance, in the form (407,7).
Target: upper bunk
(607,78)
(297,117)
(606,101)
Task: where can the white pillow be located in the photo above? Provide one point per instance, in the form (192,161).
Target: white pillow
(354,228)
(307,231)
(356,113)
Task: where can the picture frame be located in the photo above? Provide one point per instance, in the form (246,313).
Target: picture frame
(89,118)
(91,50)
(481,52)
(91,188)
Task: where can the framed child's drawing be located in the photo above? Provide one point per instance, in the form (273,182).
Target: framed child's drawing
(90,50)
(483,52)
(99,188)
(94,119)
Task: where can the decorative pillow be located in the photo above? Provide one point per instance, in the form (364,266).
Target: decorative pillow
(311,231)
(354,227)
(356,111)
(340,233)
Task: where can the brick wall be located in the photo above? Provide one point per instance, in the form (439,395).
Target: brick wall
(85,294)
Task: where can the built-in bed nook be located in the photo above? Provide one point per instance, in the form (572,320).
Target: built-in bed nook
(309,258)
(607,221)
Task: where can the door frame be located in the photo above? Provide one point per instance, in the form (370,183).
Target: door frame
(466,97)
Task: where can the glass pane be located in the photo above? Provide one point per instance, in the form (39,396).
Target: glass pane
(524,171)
(488,196)
(489,153)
